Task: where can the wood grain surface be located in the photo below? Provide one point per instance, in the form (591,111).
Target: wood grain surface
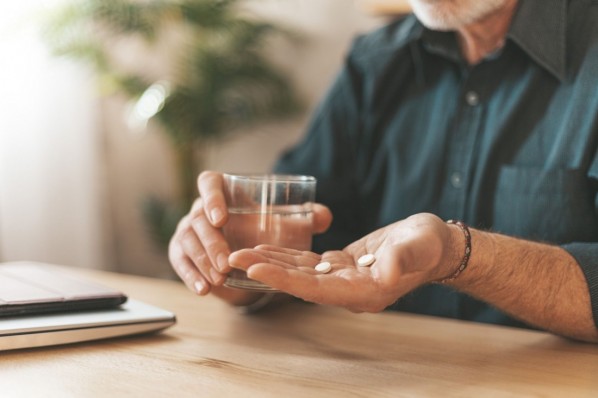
(300,350)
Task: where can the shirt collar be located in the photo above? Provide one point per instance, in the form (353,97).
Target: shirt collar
(538,28)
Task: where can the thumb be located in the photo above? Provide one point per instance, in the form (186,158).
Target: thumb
(322,218)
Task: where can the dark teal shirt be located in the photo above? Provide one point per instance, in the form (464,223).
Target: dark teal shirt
(508,145)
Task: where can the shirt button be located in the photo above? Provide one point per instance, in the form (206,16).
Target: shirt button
(456,180)
(472,98)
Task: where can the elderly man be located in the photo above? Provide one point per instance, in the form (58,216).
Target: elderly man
(482,111)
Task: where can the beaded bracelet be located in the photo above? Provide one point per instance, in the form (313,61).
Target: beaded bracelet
(467,254)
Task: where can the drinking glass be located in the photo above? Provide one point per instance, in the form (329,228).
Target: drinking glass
(267,209)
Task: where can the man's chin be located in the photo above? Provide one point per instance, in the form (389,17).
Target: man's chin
(439,23)
(453,15)
(439,26)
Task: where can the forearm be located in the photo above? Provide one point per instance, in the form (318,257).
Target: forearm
(537,283)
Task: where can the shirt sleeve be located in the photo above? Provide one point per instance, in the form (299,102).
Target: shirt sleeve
(586,253)
(327,152)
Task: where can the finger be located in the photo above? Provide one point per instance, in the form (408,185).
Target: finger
(322,218)
(182,224)
(350,290)
(286,250)
(291,258)
(245,258)
(289,280)
(213,243)
(181,264)
(279,249)
(194,250)
(196,208)
(317,288)
(186,270)
(211,187)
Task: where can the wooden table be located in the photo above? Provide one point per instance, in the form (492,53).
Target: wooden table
(301,350)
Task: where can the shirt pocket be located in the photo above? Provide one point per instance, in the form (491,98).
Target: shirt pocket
(550,205)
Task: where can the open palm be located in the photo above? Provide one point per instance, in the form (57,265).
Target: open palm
(408,254)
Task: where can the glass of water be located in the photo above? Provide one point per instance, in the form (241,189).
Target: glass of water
(267,209)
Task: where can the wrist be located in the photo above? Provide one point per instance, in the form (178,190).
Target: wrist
(458,253)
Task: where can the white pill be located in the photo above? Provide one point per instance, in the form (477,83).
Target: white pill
(324,267)
(366,260)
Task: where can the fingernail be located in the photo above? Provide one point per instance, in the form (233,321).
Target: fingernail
(217,277)
(222,262)
(199,287)
(216,215)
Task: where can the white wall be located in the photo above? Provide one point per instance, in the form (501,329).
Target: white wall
(72,175)
(50,189)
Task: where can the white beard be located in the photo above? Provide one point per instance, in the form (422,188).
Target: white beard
(453,14)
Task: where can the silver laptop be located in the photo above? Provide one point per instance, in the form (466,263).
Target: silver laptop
(50,325)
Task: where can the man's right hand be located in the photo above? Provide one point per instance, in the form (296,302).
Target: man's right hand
(198,251)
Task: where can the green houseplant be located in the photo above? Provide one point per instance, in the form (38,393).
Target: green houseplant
(222,79)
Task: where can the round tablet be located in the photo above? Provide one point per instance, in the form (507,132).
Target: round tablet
(366,260)
(324,267)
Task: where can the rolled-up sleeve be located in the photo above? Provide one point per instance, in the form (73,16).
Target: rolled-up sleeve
(586,255)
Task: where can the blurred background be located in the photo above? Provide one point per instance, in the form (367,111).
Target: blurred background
(95,157)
